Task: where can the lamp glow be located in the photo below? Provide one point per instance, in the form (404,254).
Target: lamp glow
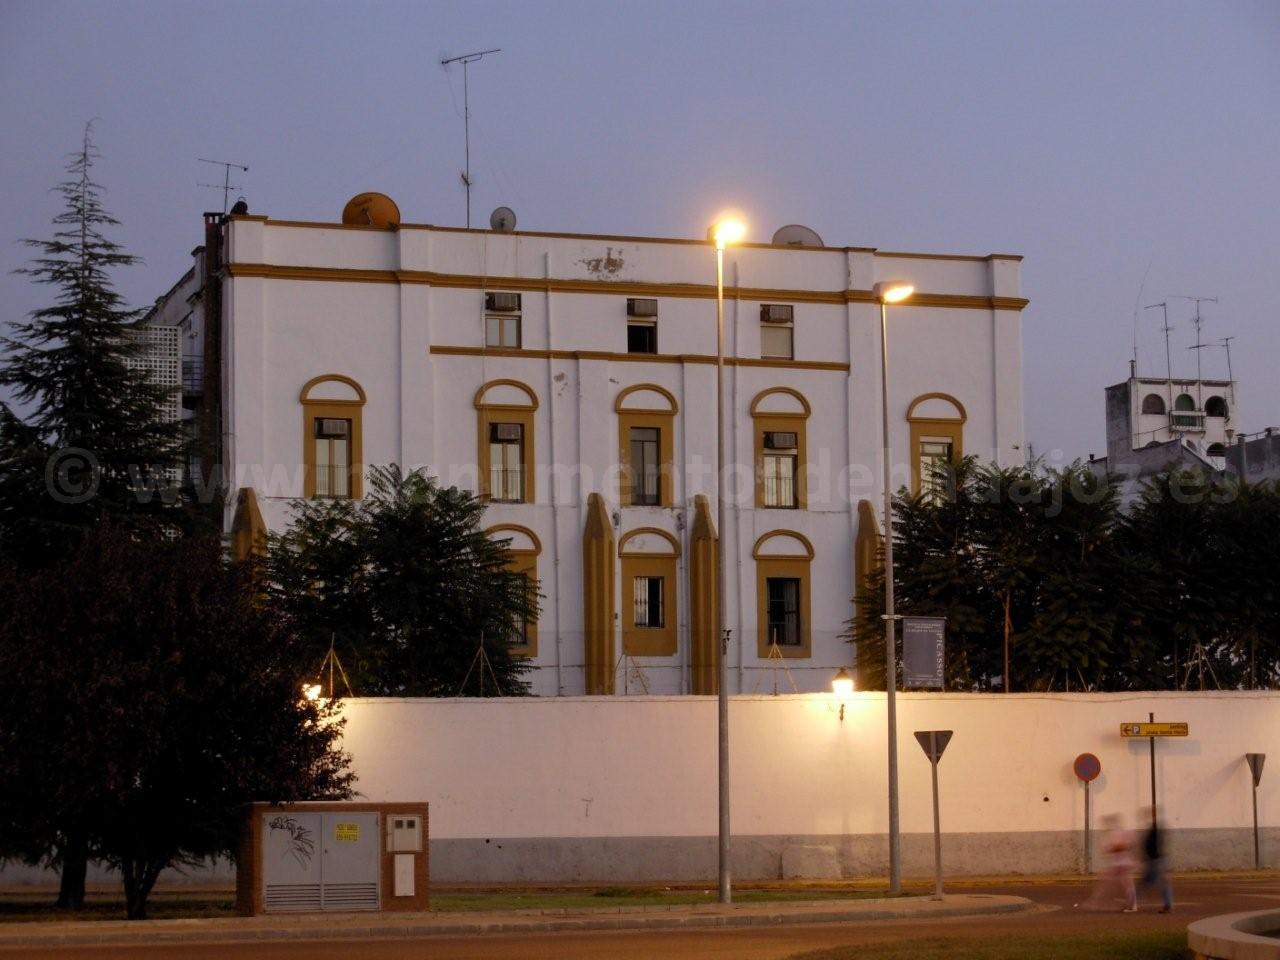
(311,691)
(727,231)
(893,291)
(842,684)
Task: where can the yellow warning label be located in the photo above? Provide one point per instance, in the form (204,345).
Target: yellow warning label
(347,832)
(1154,730)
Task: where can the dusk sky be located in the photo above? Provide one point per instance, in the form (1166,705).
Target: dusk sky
(1106,142)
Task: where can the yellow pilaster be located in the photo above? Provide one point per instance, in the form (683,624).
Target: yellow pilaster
(704,620)
(597,597)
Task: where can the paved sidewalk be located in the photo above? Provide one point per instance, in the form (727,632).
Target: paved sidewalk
(351,926)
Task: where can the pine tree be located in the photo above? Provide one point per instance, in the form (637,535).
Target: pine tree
(95,439)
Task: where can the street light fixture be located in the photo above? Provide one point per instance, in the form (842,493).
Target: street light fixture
(886,292)
(725,231)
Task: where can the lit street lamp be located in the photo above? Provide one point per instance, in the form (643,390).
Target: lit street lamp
(887,292)
(725,231)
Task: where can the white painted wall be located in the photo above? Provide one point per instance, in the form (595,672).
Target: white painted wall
(645,766)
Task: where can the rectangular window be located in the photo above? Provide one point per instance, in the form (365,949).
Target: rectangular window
(502,331)
(642,337)
(647,599)
(933,455)
(506,462)
(645,466)
(777,341)
(784,611)
(519,636)
(780,480)
(333,457)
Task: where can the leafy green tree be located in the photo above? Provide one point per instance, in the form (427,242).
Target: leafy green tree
(94,441)
(406,588)
(151,694)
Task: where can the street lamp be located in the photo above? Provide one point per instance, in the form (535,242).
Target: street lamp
(726,230)
(887,292)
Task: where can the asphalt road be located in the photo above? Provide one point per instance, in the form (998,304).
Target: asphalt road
(1196,898)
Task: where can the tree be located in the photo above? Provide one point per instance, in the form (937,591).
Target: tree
(150,696)
(97,441)
(406,587)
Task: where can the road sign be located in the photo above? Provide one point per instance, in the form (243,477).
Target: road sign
(1154,730)
(1256,760)
(1087,767)
(933,742)
(923,652)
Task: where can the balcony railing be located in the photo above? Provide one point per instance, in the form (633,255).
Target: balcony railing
(1192,420)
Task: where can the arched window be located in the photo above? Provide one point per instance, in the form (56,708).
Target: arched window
(1216,407)
(1216,450)
(332,438)
(524,547)
(1153,403)
(649,611)
(504,442)
(937,438)
(1184,401)
(783,559)
(779,416)
(646,444)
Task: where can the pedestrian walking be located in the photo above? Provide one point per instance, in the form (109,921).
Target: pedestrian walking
(1115,882)
(1155,868)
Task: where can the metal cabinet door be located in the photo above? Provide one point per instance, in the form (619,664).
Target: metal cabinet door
(351,861)
(291,870)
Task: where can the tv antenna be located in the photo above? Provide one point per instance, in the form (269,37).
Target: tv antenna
(1168,356)
(226,186)
(465,59)
(1199,345)
(1226,345)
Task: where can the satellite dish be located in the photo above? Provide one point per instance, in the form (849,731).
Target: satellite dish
(371,210)
(796,235)
(503,220)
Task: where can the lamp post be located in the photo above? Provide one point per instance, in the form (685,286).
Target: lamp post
(887,292)
(724,231)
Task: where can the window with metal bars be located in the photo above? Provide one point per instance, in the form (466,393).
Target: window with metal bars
(506,462)
(646,467)
(779,469)
(783,609)
(935,456)
(647,593)
(333,457)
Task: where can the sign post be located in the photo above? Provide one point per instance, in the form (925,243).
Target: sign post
(1087,767)
(923,652)
(1256,760)
(933,742)
(1151,730)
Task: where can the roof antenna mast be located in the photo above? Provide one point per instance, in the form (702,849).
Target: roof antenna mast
(226,186)
(465,59)
(1199,344)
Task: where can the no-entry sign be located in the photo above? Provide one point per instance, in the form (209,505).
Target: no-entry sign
(1087,767)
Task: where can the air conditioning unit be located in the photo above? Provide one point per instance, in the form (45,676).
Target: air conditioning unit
(777,312)
(332,428)
(641,307)
(779,441)
(504,431)
(502,302)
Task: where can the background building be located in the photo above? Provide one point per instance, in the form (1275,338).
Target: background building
(571,379)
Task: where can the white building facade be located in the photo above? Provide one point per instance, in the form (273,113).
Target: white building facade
(571,379)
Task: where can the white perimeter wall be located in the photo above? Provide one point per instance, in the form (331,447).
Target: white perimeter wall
(646,766)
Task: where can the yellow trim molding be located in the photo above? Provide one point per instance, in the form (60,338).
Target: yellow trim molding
(523,561)
(649,641)
(491,352)
(319,409)
(799,397)
(791,567)
(490,413)
(597,598)
(769,422)
(765,538)
(619,405)
(664,422)
(945,428)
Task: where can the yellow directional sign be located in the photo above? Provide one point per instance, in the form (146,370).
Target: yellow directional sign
(1154,729)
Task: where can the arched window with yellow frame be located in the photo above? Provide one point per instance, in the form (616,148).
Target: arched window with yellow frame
(504,441)
(779,416)
(649,591)
(783,621)
(937,439)
(646,445)
(332,437)
(524,548)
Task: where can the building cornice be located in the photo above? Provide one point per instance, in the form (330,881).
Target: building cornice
(695,291)
(444,350)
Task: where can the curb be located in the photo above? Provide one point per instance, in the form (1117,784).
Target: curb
(912,908)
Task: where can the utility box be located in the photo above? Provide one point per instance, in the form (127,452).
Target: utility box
(333,856)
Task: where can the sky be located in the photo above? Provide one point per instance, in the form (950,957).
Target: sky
(1130,151)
